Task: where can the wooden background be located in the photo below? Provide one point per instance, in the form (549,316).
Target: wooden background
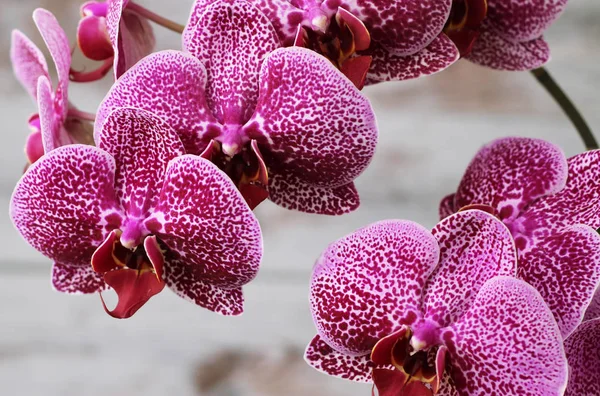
(53,344)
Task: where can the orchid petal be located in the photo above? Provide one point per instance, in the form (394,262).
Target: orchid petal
(404,27)
(520,21)
(291,193)
(583,351)
(284,16)
(180,278)
(28,62)
(507,343)
(367,284)
(593,310)
(446,206)
(176,95)
(325,359)
(319,129)
(142,146)
(493,51)
(93,39)
(232,39)
(565,269)
(209,228)
(131,35)
(53,133)
(64,205)
(577,203)
(510,173)
(58,44)
(76,279)
(437,56)
(474,247)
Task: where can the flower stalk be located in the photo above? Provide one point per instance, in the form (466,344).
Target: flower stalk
(160,20)
(544,78)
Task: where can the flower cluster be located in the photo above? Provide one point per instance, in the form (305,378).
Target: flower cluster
(263,101)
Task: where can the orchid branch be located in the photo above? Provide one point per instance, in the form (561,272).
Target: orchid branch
(544,78)
(160,20)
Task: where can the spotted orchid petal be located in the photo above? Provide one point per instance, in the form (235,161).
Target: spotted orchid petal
(58,44)
(565,269)
(142,145)
(80,279)
(28,62)
(446,207)
(510,173)
(493,51)
(474,247)
(290,192)
(437,56)
(131,36)
(583,352)
(349,300)
(520,21)
(593,310)
(319,131)
(231,39)
(577,203)
(71,182)
(507,343)
(327,360)
(176,95)
(52,129)
(403,27)
(209,229)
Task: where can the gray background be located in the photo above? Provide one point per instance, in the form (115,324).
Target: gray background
(53,344)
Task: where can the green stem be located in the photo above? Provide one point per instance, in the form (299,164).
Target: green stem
(544,78)
(162,21)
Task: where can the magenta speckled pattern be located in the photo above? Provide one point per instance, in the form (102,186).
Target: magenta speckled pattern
(434,58)
(231,40)
(565,269)
(446,207)
(320,129)
(187,285)
(493,51)
(593,310)
(474,247)
(510,173)
(583,352)
(71,182)
(209,227)
(50,122)
(80,279)
(523,20)
(291,192)
(507,343)
(131,36)
(367,284)
(171,85)
(328,361)
(28,62)
(142,144)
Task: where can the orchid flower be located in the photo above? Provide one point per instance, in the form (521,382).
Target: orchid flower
(136,215)
(57,122)
(421,313)
(285,120)
(583,352)
(551,207)
(369,42)
(113,33)
(503,34)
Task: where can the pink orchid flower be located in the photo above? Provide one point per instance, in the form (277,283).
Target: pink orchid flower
(550,206)
(441,312)
(115,34)
(136,214)
(57,122)
(503,34)
(281,122)
(369,41)
(583,352)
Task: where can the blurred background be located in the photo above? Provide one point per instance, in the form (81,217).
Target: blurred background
(54,344)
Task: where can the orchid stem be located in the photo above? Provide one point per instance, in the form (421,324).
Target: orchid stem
(162,21)
(544,78)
